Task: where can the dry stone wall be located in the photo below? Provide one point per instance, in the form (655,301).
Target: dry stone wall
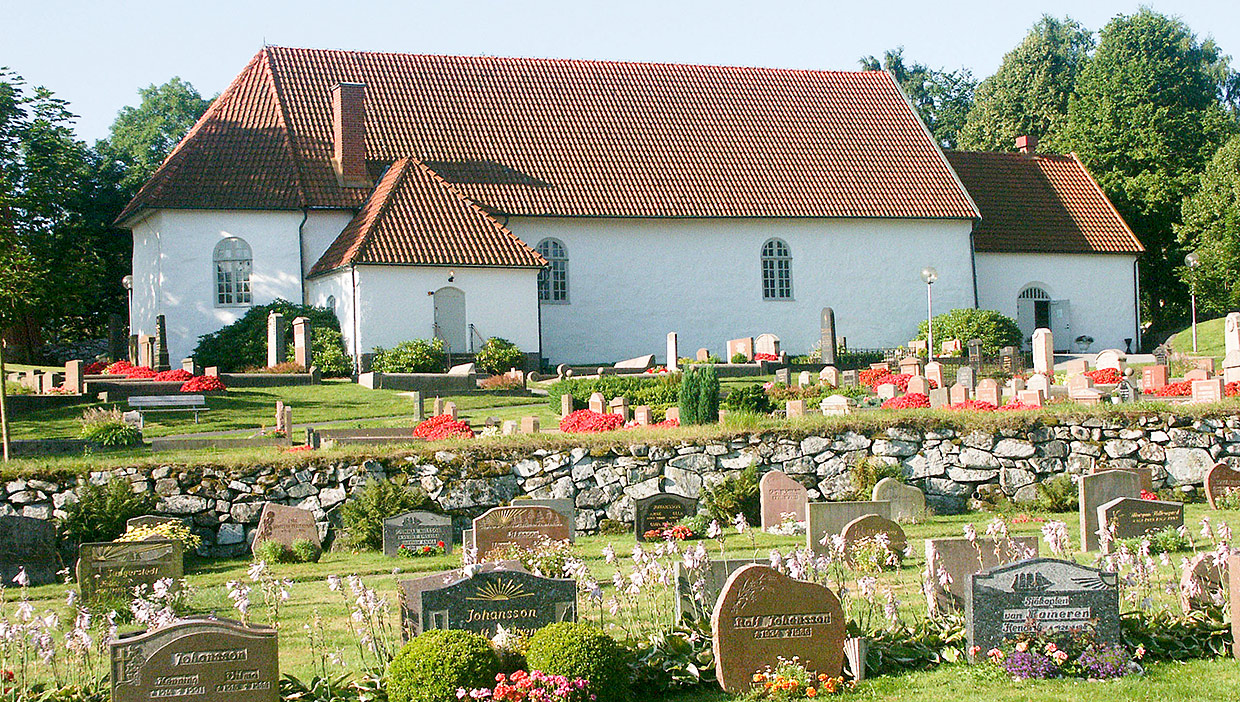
(951,466)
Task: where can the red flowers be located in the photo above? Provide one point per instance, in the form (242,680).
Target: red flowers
(442,426)
(679,532)
(202,383)
(1104,376)
(870,376)
(136,372)
(1147,495)
(1232,389)
(172,375)
(765,357)
(974,405)
(913,400)
(588,421)
(118,368)
(95,368)
(900,380)
(1184,388)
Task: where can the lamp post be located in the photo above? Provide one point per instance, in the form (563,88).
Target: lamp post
(1192,261)
(929,275)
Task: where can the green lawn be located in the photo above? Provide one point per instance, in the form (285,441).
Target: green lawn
(1209,339)
(311,598)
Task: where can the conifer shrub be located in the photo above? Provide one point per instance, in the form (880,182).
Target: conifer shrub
(578,650)
(435,664)
(362,516)
(699,396)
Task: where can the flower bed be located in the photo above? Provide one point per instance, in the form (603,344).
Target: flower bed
(972,405)
(1184,388)
(203,383)
(139,372)
(913,400)
(417,552)
(174,374)
(1232,389)
(1104,376)
(118,368)
(870,376)
(442,426)
(535,686)
(588,421)
(765,357)
(94,368)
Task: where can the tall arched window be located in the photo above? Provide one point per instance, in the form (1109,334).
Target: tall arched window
(776,270)
(553,280)
(233,262)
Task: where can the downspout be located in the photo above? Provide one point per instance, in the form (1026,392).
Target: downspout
(1136,298)
(301,250)
(357,356)
(973,265)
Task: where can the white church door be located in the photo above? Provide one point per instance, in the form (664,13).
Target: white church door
(450,318)
(1061,325)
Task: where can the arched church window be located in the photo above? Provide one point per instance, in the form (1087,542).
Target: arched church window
(553,280)
(233,262)
(776,270)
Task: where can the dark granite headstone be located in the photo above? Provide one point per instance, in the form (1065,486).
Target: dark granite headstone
(975,354)
(661,511)
(115,568)
(1130,517)
(1160,355)
(950,562)
(413,530)
(1041,594)
(517,525)
(827,339)
(26,542)
(496,596)
(966,376)
(204,660)
(284,524)
(1126,391)
(1097,489)
(763,615)
(697,590)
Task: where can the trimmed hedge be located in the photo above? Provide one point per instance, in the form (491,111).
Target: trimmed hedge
(435,664)
(577,650)
(660,391)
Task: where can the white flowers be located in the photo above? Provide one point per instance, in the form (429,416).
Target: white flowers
(22,579)
(1055,533)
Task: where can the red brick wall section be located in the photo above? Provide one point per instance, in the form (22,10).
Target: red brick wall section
(349,134)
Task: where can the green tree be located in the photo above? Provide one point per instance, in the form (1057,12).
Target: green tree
(1030,92)
(942,98)
(1145,119)
(142,137)
(1211,228)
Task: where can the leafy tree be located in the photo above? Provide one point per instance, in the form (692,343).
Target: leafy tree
(1145,119)
(143,136)
(992,328)
(1030,92)
(1211,228)
(942,98)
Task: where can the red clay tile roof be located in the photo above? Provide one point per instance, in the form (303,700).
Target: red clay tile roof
(571,138)
(1043,203)
(414,217)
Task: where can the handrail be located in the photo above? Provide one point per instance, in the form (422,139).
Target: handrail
(473,332)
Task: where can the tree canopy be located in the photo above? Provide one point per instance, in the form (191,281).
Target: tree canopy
(1211,228)
(1029,94)
(942,98)
(141,137)
(1145,119)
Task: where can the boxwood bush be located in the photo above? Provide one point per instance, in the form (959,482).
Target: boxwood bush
(499,355)
(577,650)
(243,343)
(993,329)
(434,665)
(416,356)
(661,391)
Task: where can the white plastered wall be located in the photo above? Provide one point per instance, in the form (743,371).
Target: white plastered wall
(174,269)
(1100,287)
(319,231)
(631,281)
(393,304)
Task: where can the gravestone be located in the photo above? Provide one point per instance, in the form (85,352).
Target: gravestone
(849,378)
(783,376)
(703,355)
(673,351)
(303,342)
(620,406)
(416,529)
(449,408)
(284,524)
(506,596)
(794,409)
(1221,479)
(965,376)
(1126,391)
(887,391)
(803,379)
(1233,566)
(910,365)
(1130,517)
(598,403)
(1208,390)
(1110,358)
(566,405)
(744,347)
(643,415)
(1231,346)
(275,339)
(1145,474)
(988,391)
(781,495)
(1040,594)
(640,362)
(907,501)
(829,375)
(520,526)
(934,373)
(26,542)
(1096,490)
(763,615)
(835,405)
(74,380)
(1075,366)
(827,338)
(1040,384)
(206,660)
(957,558)
(767,344)
(1198,374)
(975,353)
(529,424)
(565,506)
(918,385)
(159,352)
(1202,583)
(871,526)
(825,519)
(1154,377)
(419,406)
(112,569)
(1043,351)
(959,393)
(698,590)
(1161,354)
(939,397)
(659,512)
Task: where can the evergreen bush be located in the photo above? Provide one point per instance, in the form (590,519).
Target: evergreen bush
(735,495)
(748,398)
(993,329)
(362,516)
(699,396)
(416,356)
(435,664)
(330,355)
(656,392)
(101,511)
(499,356)
(577,650)
(243,343)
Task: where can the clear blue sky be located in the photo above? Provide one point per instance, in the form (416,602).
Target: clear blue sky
(97,54)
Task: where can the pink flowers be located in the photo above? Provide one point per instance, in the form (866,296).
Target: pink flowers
(588,421)
(442,426)
(535,686)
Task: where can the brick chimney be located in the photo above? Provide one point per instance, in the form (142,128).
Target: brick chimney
(349,135)
(1026,144)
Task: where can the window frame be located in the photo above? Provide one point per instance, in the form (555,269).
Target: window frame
(777,262)
(225,263)
(556,263)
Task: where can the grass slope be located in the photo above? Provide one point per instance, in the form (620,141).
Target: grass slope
(1209,339)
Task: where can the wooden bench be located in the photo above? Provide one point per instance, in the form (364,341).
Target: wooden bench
(169,403)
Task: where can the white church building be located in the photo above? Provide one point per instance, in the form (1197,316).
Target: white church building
(583,209)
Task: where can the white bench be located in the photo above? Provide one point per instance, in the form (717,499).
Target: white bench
(169,403)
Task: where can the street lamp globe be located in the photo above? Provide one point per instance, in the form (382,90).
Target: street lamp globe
(127,282)
(1192,260)
(929,275)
